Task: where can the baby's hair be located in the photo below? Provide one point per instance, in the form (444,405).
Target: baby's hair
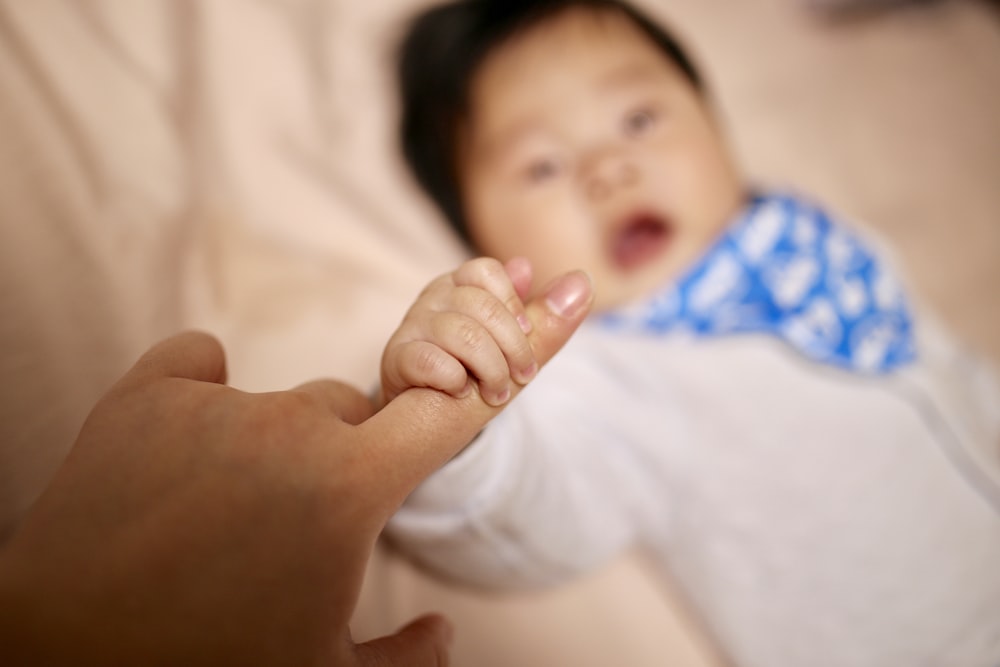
(437,60)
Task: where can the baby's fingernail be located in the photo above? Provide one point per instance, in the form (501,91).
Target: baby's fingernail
(502,397)
(529,372)
(524,322)
(571,293)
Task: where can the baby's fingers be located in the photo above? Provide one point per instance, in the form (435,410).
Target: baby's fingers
(477,348)
(490,275)
(420,363)
(497,321)
(491,292)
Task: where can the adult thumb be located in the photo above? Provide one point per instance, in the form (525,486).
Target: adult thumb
(192,355)
(424,642)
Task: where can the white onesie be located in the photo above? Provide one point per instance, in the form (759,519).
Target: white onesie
(817,504)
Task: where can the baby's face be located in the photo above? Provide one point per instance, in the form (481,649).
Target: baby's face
(586,147)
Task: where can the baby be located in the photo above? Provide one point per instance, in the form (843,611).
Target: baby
(756,400)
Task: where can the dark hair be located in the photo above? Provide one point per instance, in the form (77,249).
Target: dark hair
(437,60)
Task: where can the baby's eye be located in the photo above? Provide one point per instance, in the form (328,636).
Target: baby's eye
(541,170)
(639,122)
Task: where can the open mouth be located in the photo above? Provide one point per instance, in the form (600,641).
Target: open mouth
(641,237)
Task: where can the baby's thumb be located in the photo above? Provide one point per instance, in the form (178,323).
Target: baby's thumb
(424,642)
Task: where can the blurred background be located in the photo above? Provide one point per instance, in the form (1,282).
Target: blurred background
(230,165)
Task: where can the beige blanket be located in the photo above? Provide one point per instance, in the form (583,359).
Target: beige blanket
(229,165)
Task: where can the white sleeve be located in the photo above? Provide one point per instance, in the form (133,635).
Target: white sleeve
(548,490)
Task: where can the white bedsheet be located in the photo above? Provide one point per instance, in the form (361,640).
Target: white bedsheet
(229,165)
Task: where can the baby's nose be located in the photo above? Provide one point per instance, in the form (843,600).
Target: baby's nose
(607,172)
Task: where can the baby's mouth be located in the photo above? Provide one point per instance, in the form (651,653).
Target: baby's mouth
(639,238)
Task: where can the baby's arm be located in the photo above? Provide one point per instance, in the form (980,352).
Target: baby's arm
(466,328)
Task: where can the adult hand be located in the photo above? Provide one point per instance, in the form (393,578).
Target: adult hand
(196,524)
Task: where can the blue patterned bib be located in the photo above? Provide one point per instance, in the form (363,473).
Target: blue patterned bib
(784,268)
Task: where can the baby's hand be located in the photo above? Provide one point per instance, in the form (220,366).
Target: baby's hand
(466,326)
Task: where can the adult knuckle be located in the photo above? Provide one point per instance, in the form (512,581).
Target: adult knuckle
(281,414)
